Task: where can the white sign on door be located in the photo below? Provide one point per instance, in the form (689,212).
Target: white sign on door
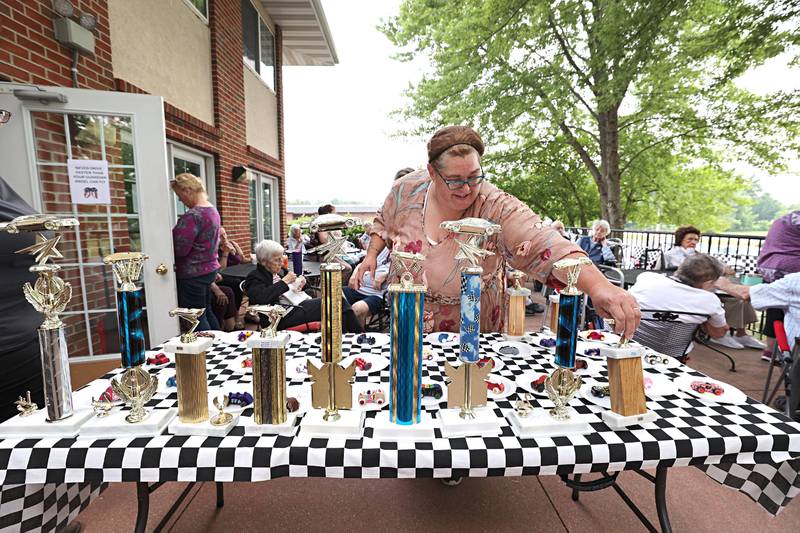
(88,181)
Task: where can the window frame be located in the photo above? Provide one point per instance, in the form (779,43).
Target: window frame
(202,16)
(257,178)
(206,161)
(256,70)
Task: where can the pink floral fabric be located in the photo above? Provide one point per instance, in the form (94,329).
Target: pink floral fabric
(400,220)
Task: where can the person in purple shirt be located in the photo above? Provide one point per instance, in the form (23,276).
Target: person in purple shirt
(195,238)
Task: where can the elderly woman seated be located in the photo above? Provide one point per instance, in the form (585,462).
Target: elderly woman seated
(271,284)
(596,246)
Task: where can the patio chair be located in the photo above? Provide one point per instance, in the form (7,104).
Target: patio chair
(783,357)
(613,274)
(379,322)
(663,331)
(652,259)
(312,326)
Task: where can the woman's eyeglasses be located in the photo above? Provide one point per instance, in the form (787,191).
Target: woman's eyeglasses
(457,184)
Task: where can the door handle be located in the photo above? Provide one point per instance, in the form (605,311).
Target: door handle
(162,269)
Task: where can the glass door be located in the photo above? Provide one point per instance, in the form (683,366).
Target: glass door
(127,133)
(196,163)
(264,221)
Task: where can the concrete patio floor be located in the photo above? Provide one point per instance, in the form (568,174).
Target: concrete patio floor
(543,503)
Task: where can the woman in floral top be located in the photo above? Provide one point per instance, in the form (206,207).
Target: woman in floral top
(453,187)
(196,240)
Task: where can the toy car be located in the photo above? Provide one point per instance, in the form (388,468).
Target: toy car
(302,368)
(332,221)
(581,364)
(495,388)
(547,343)
(292,404)
(476,226)
(538,383)
(427,354)
(38,223)
(377,397)
(172,381)
(707,387)
(432,390)
(206,334)
(240,398)
(595,336)
(109,395)
(655,359)
(244,335)
(483,361)
(446,337)
(509,350)
(247,363)
(362,364)
(600,391)
(158,359)
(592,352)
(365,339)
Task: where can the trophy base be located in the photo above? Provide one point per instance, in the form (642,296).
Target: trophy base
(617,421)
(540,424)
(204,429)
(348,425)
(200,345)
(286,429)
(384,429)
(36,426)
(485,424)
(517,338)
(115,426)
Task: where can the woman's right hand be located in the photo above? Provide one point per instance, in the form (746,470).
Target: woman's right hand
(289,278)
(369,264)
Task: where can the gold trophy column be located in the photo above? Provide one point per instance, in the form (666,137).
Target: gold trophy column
(515,327)
(269,368)
(190,369)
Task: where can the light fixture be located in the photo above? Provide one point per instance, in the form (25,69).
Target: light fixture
(44,97)
(239,174)
(88,21)
(64,8)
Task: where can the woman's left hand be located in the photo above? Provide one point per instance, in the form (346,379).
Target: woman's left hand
(612,302)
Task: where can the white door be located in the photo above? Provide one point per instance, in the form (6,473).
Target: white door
(127,131)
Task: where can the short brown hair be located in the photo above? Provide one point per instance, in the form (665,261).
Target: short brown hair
(188,182)
(683,231)
(325,209)
(697,269)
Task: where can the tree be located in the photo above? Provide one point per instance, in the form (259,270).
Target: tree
(629,94)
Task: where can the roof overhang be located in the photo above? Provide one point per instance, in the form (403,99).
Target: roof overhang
(307,39)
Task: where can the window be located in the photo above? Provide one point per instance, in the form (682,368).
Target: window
(258,44)
(200,6)
(197,163)
(263,208)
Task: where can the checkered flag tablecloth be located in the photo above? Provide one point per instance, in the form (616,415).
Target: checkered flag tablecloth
(749,447)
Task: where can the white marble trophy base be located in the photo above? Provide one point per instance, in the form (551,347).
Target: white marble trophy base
(204,429)
(540,424)
(114,425)
(621,352)
(485,424)
(286,429)
(617,421)
(36,426)
(513,337)
(348,425)
(384,429)
(278,341)
(199,345)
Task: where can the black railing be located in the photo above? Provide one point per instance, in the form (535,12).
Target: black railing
(739,251)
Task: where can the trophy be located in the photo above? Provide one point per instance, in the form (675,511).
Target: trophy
(626,385)
(331,388)
(127,267)
(49,295)
(190,368)
(269,369)
(467,388)
(515,324)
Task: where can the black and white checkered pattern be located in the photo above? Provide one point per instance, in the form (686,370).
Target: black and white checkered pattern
(44,507)
(751,447)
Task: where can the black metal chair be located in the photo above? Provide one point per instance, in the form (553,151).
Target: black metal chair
(663,331)
(652,259)
(613,274)
(379,322)
(783,357)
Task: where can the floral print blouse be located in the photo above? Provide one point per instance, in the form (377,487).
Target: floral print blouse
(401,221)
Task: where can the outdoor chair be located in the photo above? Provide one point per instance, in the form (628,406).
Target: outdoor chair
(312,326)
(613,274)
(652,259)
(663,331)
(379,322)
(783,357)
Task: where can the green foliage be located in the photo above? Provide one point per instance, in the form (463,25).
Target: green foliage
(757,211)
(629,102)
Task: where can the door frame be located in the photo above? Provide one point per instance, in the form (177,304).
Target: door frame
(206,161)
(152,180)
(256,176)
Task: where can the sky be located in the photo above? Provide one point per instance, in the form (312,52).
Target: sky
(341,142)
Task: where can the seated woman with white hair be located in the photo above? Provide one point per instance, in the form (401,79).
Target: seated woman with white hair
(271,284)
(595,244)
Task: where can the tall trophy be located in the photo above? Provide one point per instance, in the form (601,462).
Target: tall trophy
(270,414)
(563,383)
(405,416)
(331,389)
(515,322)
(49,295)
(467,386)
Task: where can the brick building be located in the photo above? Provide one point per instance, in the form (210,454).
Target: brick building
(218,66)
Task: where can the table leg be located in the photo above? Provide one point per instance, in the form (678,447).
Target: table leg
(220,495)
(575,491)
(143,497)
(661,499)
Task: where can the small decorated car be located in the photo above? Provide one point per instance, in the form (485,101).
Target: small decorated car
(247,363)
(595,336)
(109,395)
(240,398)
(362,364)
(495,387)
(206,334)
(244,335)
(372,396)
(332,221)
(172,381)
(581,364)
(476,226)
(365,339)
(432,390)
(538,383)
(158,359)
(600,391)
(483,361)
(547,343)
(707,387)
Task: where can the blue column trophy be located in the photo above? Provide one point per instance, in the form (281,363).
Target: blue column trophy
(331,389)
(467,388)
(49,295)
(405,416)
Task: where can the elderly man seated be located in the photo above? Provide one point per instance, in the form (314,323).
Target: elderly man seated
(271,284)
(689,290)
